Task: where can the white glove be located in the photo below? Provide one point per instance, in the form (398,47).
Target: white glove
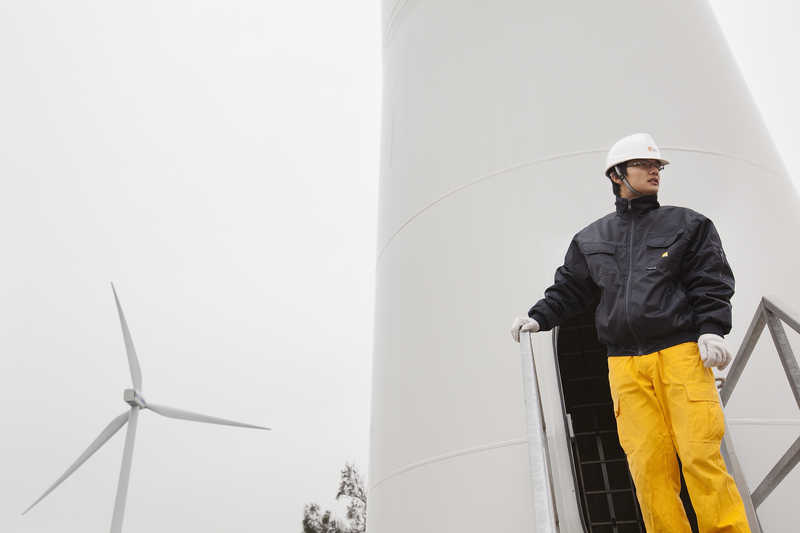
(713,351)
(523,323)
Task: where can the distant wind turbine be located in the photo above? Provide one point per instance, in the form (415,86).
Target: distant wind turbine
(134,398)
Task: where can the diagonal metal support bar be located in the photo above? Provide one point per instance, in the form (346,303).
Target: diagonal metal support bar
(768,314)
(778,472)
(735,469)
(792,321)
(743,355)
(788,360)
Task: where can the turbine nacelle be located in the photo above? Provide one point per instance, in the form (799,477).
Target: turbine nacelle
(134,399)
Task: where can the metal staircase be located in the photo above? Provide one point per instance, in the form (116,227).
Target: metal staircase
(579,477)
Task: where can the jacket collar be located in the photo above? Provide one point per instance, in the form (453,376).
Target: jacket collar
(639,205)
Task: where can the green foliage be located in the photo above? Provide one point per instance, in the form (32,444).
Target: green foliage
(313,522)
(351,487)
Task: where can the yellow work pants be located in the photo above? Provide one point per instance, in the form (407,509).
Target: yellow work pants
(667,401)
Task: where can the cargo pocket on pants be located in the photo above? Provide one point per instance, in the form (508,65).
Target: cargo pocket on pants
(706,420)
(620,430)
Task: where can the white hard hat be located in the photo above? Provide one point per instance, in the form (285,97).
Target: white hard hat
(636,146)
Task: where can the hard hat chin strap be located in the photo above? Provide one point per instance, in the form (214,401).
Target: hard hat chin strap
(630,187)
(624,179)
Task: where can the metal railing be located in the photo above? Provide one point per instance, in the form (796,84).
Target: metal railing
(546,519)
(770,315)
(544,509)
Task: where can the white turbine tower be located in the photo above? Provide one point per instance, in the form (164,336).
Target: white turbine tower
(134,398)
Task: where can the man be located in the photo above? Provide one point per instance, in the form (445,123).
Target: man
(665,288)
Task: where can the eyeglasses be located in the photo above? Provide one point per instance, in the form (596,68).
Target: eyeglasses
(646,164)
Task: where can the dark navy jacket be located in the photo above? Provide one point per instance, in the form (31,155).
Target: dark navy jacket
(660,274)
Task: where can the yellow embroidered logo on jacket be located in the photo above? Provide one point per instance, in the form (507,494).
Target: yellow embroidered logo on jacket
(665,254)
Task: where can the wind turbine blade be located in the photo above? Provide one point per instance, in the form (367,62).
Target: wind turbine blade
(172,412)
(133,361)
(101,439)
(125,473)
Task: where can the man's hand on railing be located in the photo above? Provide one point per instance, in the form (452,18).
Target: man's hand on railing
(523,323)
(713,351)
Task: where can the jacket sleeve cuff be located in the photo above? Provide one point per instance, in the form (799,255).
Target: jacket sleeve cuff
(543,325)
(711,327)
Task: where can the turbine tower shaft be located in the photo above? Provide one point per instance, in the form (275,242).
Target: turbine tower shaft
(125,472)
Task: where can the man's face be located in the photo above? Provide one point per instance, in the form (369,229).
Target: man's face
(643,175)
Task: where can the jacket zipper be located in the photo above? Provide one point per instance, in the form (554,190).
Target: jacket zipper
(628,284)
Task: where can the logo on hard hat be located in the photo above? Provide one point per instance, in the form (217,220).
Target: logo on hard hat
(651,149)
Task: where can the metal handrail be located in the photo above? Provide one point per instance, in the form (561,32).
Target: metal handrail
(770,315)
(545,520)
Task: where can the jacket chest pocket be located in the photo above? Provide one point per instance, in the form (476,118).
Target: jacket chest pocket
(662,253)
(602,261)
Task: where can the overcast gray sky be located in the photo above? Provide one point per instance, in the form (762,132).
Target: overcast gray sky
(218,161)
